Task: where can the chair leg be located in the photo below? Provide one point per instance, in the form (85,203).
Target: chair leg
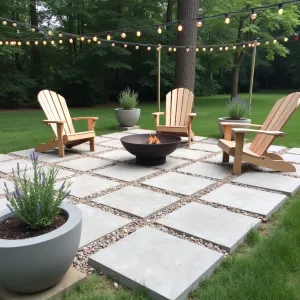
(61,150)
(92,144)
(238,155)
(225,158)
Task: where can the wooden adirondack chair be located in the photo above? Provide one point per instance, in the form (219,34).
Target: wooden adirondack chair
(258,152)
(179,116)
(58,117)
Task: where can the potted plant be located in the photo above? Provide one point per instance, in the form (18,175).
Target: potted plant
(128,115)
(40,235)
(237,110)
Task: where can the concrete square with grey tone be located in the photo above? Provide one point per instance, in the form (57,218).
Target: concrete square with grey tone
(294,151)
(26,153)
(142,131)
(85,163)
(3,206)
(61,173)
(247,199)
(197,138)
(113,144)
(167,266)
(189,154)
(215,225)
(53,157)
(270,181)
(126,172)
(206,147)
(117,155)
(206,169)
(137,201)
(116,135)
(294,158)
(86,185)
(85,149)
(100,139)
(97,223)
(9,183)
(275,148)
(179,183)
(6,166)
(171,163)
(4,157)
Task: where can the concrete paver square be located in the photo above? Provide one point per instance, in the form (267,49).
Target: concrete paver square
(142,131)
(53,157)
(85,163)
(171,163)
(100,139)
(85,149)
(270,181)
(247,199)
(4,157)
(3,205)
(118,155)
(206,169)
(275,148)
(294,151)
(189,154)
(179,183)
(97,223)
(137,201)
(205,147)
(10,185)
(167,266)
(126,172)
(7,166)
(197,138)
(86,185)
(113,144)
(215,225)
(294,158)
(116,135)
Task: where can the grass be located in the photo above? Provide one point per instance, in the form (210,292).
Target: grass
(266,267)
(24,129)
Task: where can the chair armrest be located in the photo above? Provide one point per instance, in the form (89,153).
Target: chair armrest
(245,130)
(85,118)
(158,114)
(54,121)
(193,115)
(240,124)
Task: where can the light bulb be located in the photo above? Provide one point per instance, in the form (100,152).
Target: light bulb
(174,49)
(211,49)
(148,48)
(275,41)
(113,44)
(52,42)
(32,29)
(199,23)
(89,40)
(108,37)
(95,39)
(82,38)
(99,42)
(197,49)
(19,44)
(137,47)
(170,49)
(50,32)
(187,49)
(28,43)
(71,41)
(138,33)
(280,8)
(14,24)
(249,45)
(253,45)
(226,48)
(6,43)
(11,43)
(253,14)
(203,49)
(286,39)
(36,42)
(258,44)
(234,47)
(125,45)
(227,19)
(123,35)
(159,30)
(44,43)
(1,43)
(158,48)
(221,48)
(180,27)
(267,42)
(4,22)
(60,35)
(60,41)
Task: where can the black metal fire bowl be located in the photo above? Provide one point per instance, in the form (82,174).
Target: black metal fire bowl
(153,154)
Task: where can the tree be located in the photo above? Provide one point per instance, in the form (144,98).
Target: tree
(186,61)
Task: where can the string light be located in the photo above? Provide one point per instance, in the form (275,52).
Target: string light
(227,19)
(82,38)
(137,47)
(244,46)
(95,39)
(158,48)
(125,45)
(6,43)
(36,43)
(203,49)
(170,49)
(1,43)
(211,49)
(286,39)
(280,8)
(258,44)
(50,32)
(44,43)
(197,49)
(60,41)
(179,26)
(12,43)
(113,44)
(32,29)
(71,41)
(148,48)
(226,48)
(174,49)
(14,24)
(221,48)
(60,35)
(234,47)
(275,41)
(249,45)
(199,23)
(88,40)
(123,35)
(138,33)
(267,42)
(52,42)
(159,30)
(19,44)
(99,42)
(108,37)
(253,14)
(187,49)
(4,22)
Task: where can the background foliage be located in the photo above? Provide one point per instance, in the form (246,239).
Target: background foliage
(88,74)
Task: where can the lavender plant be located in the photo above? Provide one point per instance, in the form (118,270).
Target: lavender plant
(128,99)
(36,203)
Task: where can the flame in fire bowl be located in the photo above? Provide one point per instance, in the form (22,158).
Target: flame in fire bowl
(150,150)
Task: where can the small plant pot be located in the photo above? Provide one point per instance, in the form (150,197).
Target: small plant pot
(127,117)
(35,264)
(224,119)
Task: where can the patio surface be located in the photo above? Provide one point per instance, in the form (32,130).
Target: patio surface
(166,227)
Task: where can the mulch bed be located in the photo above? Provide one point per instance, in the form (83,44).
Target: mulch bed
(13,229)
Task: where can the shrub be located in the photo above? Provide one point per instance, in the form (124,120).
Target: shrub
(128,99)
(237,108)
(36,203)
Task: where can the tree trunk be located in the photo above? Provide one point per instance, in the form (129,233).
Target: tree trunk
(35,52)
(186,61)
(238,59)
(169,17)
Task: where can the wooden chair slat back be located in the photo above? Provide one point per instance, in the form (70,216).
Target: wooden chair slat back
(55,108)
(179,103)
(277,118)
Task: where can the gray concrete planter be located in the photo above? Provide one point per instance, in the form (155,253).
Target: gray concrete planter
(38,263)
(127,118)
(224,119)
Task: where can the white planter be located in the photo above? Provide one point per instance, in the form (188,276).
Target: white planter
(224,119)
(127,117)
(38,263)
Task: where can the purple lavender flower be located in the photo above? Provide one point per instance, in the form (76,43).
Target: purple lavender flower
(18,168)
(38,209)
(34,156)
(19,194)
(9,207)
(5,184)
(7,197)
(15,194)
(40,175)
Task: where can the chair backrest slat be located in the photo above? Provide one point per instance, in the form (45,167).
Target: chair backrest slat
(179,103)
(277,118)
(55,108)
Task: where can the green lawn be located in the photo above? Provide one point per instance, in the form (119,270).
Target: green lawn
(267,267)
(24,129)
